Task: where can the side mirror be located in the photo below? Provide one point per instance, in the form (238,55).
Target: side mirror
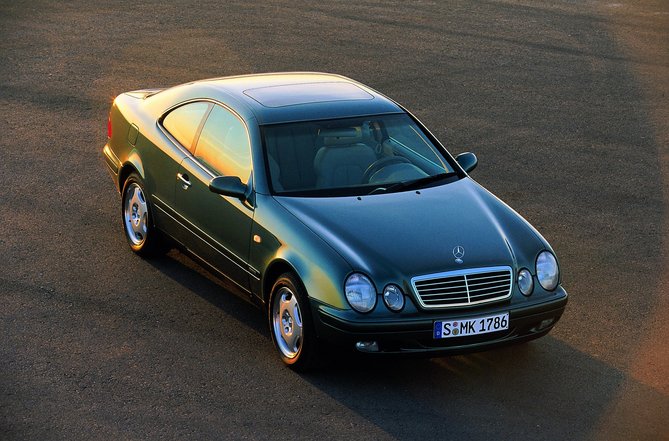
(228,186)
(467,161)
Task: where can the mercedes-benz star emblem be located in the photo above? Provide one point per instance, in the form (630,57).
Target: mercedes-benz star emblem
(459,253)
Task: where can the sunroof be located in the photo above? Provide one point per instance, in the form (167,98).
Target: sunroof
(305,93)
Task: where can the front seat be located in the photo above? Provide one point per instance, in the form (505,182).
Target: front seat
(342,159)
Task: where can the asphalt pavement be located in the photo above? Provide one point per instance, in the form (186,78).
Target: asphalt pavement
(566,105)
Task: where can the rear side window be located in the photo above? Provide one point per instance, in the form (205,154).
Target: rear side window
(183,122)
(223,145)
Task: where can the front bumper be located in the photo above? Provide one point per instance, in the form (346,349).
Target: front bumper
(415,336)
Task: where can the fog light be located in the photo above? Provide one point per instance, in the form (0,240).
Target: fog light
(525,282)
(367,346)
(393,298)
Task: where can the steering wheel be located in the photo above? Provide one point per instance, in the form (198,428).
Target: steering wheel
(382,163)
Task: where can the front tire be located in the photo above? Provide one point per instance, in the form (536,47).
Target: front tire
(291,324)
(137,218)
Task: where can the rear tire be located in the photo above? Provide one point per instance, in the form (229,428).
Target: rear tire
(291,324)
(137,219)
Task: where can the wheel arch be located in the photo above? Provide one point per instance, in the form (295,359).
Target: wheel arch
(274,270)
(132,164)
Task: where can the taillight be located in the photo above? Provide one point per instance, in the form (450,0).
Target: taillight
(109,130)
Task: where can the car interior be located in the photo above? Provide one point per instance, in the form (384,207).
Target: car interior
(318,156)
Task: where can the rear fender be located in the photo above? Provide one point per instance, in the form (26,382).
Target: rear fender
(133,163)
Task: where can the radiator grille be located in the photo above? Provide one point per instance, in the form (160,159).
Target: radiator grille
(463,287)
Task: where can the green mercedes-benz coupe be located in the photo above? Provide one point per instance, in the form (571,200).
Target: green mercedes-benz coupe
(335,210)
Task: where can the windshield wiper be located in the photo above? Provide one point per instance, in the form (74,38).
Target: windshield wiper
(408,185)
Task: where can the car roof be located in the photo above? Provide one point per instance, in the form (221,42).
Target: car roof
(297,96)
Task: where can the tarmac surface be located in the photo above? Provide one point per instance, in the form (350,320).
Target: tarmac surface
(565,103)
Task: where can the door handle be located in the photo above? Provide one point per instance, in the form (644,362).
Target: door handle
(185,183)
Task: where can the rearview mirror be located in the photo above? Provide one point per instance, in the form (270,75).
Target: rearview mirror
(228,186)
(467,161)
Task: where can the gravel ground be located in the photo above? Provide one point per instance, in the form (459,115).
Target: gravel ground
(566,105)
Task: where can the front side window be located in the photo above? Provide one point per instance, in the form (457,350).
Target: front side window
(223,145)
(353,156)
(182,123)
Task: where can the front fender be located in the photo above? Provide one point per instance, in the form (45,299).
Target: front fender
(286,244)
(322,279)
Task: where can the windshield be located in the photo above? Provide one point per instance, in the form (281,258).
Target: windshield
(353,156)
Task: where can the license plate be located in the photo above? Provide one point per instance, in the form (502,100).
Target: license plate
(471,326)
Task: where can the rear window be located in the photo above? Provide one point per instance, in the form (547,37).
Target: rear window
(183,122)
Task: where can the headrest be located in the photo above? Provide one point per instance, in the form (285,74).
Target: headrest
(340,136)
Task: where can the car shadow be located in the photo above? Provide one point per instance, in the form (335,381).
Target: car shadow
(529,389)
(211,287)
(537,385)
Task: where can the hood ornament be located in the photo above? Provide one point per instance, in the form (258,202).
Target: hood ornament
(458,253)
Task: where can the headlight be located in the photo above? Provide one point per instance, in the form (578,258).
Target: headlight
(360,292)
(547,271)
(525,282)
(393,298)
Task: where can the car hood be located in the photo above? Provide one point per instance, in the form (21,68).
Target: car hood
(413,233)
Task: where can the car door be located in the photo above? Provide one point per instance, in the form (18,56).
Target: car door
(219,227)
(180,126)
